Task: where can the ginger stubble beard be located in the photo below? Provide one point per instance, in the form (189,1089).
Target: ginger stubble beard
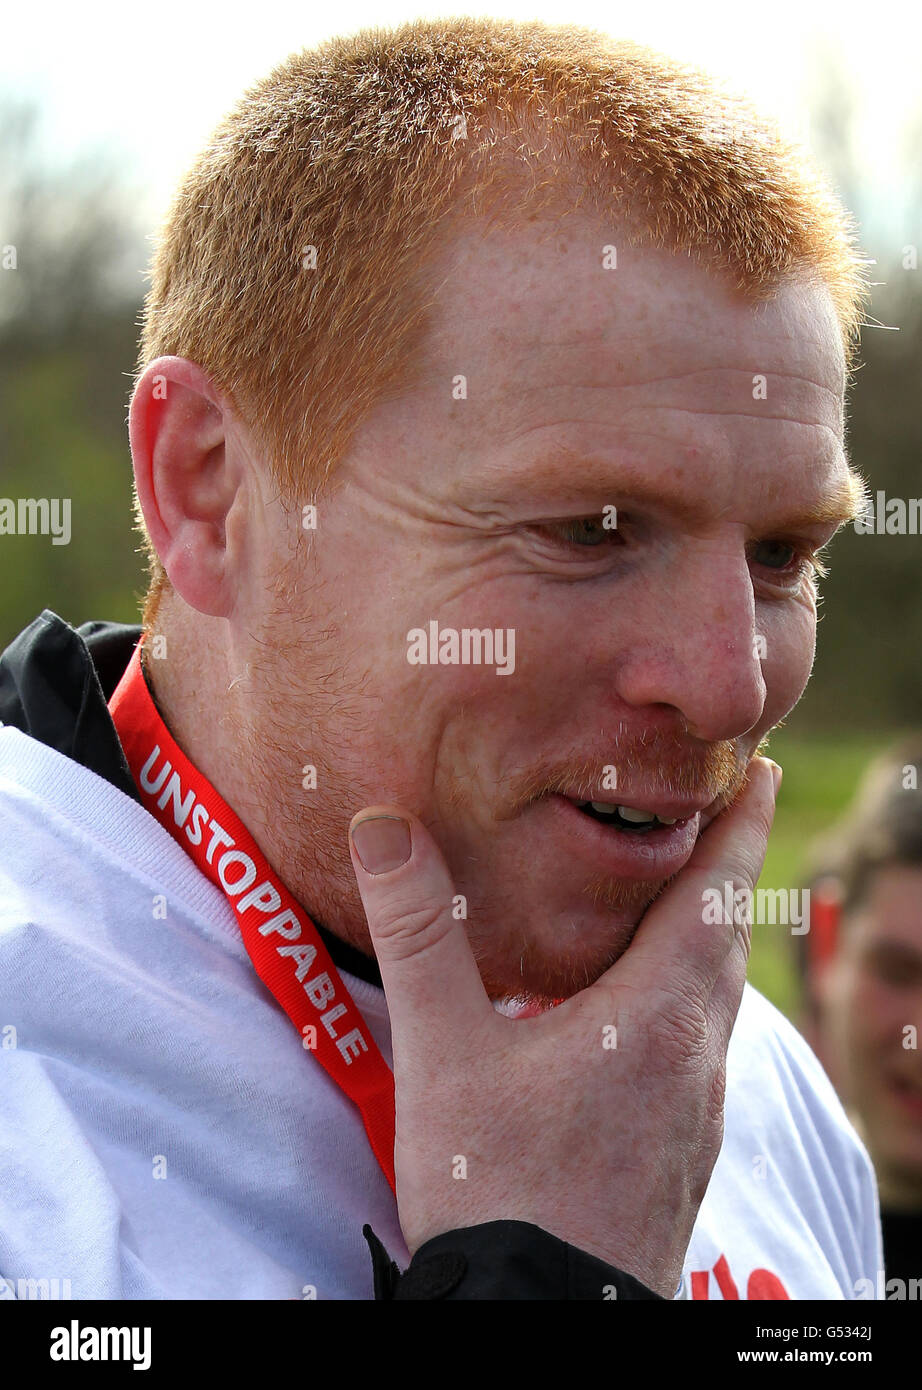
(718,774)
(305,835)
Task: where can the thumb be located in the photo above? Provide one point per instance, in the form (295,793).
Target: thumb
(427,968)
(678,940)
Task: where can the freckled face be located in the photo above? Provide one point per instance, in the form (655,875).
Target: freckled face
(872,999)
(664,647)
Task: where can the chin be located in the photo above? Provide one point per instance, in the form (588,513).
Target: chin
(541,967)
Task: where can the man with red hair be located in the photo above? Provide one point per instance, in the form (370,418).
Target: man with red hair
(488,427)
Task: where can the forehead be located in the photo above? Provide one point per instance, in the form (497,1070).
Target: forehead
(892,907)
(553,287)
(576,346)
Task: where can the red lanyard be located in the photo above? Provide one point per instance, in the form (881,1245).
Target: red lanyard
(284,945)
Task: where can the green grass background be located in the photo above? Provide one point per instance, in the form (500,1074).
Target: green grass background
(820,778)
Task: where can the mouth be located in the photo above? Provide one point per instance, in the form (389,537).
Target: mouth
(618,838)
(643,813)
(632,819)
(908,1095)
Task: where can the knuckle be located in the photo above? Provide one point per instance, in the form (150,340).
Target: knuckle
(679,1032)
(716,1099)
(708,1154)
(406,932)
(741,867)
(742,941)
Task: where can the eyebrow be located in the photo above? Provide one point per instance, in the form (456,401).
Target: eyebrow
(842,501)
(898,950)
(894,955)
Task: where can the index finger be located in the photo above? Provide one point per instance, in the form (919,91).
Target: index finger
(687,934)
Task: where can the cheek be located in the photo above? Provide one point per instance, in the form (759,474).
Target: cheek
(882,1009)
(789,645)
(867,1015)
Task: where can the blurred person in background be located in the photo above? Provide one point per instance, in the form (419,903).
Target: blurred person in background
(862,966)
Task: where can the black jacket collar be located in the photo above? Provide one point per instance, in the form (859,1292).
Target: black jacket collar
(55,684)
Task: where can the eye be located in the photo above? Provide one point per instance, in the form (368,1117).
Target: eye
(587,532)
(893,967)
(789,559)
(774,554)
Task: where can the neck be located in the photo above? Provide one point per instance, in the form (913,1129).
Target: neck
(213,701)
(192,688)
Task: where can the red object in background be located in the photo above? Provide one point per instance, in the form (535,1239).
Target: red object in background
(825,911)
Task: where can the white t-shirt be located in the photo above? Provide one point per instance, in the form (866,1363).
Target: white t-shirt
(164,1134)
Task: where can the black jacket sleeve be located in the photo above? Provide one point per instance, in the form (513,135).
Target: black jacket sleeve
(500,1259)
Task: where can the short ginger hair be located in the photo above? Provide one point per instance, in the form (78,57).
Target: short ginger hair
(293,262)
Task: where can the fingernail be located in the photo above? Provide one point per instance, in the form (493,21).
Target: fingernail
(776,778)
(382,843)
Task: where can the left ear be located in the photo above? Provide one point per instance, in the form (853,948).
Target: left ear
(188,482)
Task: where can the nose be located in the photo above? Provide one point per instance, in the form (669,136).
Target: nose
(700,651)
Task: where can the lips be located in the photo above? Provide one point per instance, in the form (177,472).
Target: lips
(655,853)
(663,805)
(907,1095)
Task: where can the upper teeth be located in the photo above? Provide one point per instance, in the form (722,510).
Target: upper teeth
(630,813)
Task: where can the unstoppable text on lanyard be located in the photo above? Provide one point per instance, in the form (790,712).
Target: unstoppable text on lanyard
(285,947)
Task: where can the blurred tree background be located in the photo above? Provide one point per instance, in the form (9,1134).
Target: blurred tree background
(68,339)
(68,332)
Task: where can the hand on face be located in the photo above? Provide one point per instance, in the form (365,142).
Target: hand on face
(619,1088)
